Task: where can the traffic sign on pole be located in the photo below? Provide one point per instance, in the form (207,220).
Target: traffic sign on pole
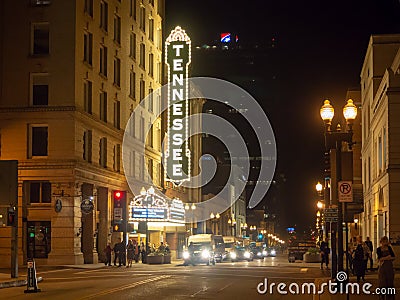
(345,191)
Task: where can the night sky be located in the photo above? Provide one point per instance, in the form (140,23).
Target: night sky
(321,50)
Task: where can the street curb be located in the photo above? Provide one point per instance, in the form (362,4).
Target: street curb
(16,283)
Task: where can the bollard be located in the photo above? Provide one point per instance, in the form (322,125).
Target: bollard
(31,281)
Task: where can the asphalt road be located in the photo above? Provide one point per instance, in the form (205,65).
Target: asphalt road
(227,280)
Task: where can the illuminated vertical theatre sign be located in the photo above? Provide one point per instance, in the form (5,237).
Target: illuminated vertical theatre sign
(177,154)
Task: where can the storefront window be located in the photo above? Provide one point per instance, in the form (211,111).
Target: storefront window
(39,239)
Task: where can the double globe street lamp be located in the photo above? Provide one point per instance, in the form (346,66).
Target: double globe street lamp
(333,141)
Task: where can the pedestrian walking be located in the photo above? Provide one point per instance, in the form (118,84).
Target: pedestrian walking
(371,249)
(136,249)
(324,251)
(359,258)
(107,253)
(143,252)
(130,249)
(386,272)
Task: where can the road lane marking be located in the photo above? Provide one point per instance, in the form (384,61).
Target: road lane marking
(221,289)
(53,271)
(118,289)
(91,276)
(198,292)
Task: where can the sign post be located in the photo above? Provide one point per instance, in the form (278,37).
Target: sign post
(31,280)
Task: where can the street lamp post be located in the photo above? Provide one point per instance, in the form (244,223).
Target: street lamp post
(232,223)
(146,195)
(191,208)
(214,221)
(334,140)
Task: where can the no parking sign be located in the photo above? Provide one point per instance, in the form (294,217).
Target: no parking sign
(345,190)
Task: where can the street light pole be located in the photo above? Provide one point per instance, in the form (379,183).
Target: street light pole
(334,140)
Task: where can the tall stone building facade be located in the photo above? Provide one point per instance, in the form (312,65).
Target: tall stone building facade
(380,96)
(71,75)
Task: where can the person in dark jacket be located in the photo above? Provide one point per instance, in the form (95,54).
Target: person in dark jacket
(130,249)
(324,250)
(107,252)
(359,256)
(371,248)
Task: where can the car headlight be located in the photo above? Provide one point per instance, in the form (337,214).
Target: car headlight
(258,253)
(185,255)
(265,253)
(273,252)
(205,253)
(233,255)
(247,254)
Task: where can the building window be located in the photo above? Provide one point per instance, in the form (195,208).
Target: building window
(103,60)
(88,48)
(380,155)
(103,106)
(151,99)
(384,148)
(38,239)
(104,15)
(40,39)
(132,84)
(117,29)
(159,72)
(132,45)
(132,125)
(117,158)
(39,192)
(142,18)
(117,114)
(103,152)
(142,87)
(132,158)
(40,89)
(150,137)
(150,168)
(151,64)
(142,60)
(87,96)
(151,29)
(141,170)
(87,145)
(39,140)
(142,129)
(133,8)
(117,71)
(89,7)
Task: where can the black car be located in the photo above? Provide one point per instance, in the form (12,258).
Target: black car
(241,253)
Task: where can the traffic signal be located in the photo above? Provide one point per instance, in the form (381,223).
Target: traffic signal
(119,199)
(119,215)
(117,228)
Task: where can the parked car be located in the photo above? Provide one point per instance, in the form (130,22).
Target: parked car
(241,253)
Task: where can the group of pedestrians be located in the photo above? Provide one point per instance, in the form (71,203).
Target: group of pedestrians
(125,255)
(360,253)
